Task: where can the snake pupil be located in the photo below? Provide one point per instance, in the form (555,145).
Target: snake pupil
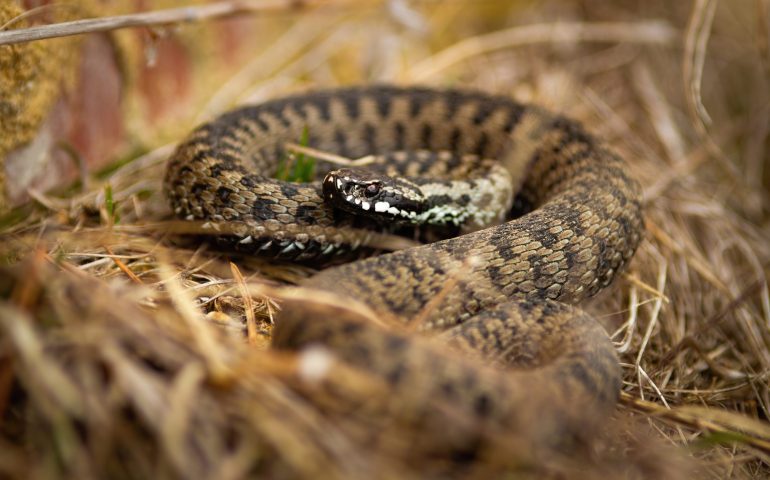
(371,190)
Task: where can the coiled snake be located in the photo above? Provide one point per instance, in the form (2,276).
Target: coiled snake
(504,292)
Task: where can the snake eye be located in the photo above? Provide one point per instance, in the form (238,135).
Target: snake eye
(372,189)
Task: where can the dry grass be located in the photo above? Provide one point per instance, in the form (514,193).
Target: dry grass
(106,369)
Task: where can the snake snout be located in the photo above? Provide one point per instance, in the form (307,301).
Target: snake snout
(373,195)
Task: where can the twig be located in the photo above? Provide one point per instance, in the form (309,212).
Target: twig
(158,17)
(122,266)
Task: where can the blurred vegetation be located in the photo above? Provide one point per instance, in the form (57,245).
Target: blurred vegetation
(107,371)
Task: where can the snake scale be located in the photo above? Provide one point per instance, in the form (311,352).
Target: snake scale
(533,363)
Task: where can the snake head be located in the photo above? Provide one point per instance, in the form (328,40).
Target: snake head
(375,195)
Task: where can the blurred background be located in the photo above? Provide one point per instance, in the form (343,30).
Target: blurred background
(679,88)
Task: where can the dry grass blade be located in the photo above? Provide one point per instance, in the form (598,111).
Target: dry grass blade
(128,350)
(303,34)
(661,115)
(698,32)
(698,264)
(563,32)
(248,304)
(51,385)
(735,427)
(31,13)
(456,277)
(202,335)
(644,286)
(330,157)
(696,47)
(298,294)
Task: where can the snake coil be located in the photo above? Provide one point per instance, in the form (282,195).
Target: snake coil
(506,291)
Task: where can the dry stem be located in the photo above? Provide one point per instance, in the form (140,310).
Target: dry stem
(158,18)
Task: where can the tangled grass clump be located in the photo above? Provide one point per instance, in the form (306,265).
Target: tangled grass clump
(126,352)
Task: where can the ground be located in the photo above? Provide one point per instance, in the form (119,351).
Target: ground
(106,368)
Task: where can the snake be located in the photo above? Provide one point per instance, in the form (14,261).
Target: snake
(547,215)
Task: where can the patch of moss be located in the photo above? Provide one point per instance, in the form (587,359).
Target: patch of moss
(31,77)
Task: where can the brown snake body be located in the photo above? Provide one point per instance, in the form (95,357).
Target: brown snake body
(504,292)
